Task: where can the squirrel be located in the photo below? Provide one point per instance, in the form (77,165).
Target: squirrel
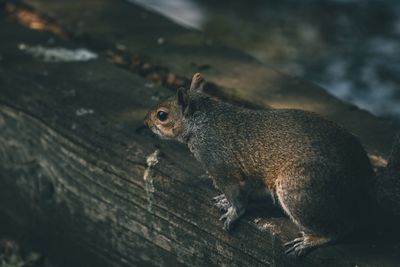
(314,169)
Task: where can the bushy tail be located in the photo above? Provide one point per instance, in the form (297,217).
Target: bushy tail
(388,182)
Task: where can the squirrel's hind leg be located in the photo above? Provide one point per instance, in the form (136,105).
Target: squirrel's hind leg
(308,193)
(304,244)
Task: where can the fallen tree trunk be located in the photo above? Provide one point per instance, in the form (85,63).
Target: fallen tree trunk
(91,187)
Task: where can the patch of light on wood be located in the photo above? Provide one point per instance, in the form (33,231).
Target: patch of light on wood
(57,54)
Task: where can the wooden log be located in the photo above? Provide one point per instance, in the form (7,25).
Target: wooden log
(91,187)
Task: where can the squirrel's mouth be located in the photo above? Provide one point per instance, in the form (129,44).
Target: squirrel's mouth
(157,132)
(154,129)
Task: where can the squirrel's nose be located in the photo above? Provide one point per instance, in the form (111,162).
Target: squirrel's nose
(147,120)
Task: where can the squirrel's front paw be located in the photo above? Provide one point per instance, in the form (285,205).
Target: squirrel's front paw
(230,217)
(221,202)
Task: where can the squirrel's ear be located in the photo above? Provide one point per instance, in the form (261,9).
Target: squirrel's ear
(197,82)
(182,96)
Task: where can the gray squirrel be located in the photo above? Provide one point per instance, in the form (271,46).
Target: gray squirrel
(315,170)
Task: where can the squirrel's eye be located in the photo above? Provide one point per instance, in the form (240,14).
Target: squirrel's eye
(162,115)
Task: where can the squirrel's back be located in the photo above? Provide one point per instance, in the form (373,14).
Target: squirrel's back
(264,141)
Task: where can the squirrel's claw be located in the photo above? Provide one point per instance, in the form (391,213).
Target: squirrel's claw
(221,202)
(230,217)
(302,245)
(295,246)
(219,197)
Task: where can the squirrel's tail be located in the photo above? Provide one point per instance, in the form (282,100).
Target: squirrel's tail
(388,183)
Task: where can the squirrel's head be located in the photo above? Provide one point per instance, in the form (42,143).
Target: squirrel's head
(167,118)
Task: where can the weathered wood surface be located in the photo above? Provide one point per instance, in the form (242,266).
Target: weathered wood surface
(80,185)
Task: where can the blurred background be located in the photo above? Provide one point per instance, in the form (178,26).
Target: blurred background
(350,47)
